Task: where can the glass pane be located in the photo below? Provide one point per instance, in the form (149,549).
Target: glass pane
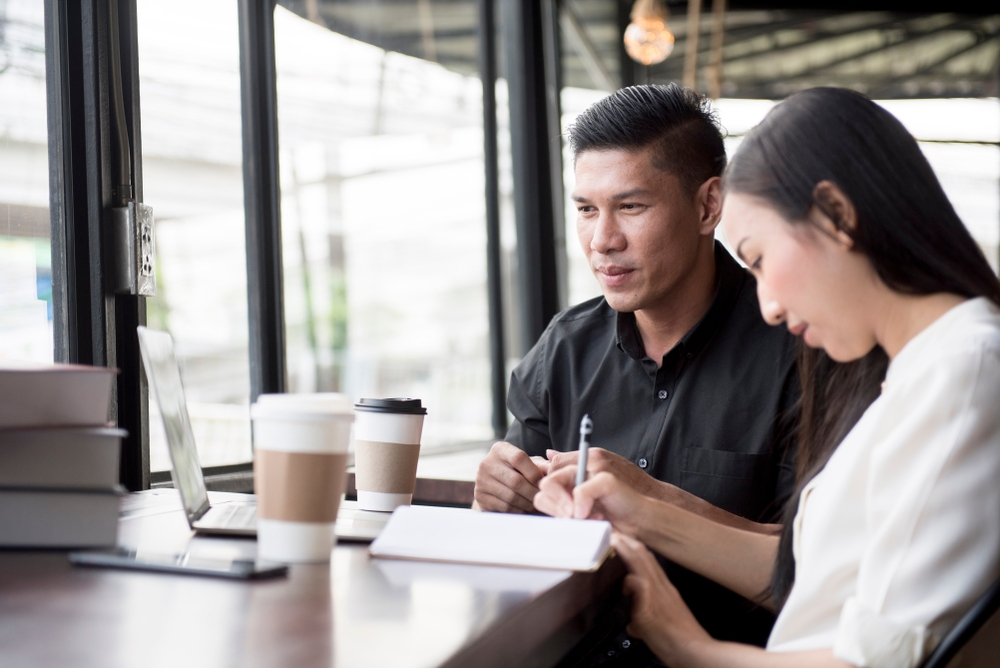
(591,69)
(25,250)
(192,177)
(380,120)
(580,280)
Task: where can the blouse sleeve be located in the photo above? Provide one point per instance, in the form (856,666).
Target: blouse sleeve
(933,513)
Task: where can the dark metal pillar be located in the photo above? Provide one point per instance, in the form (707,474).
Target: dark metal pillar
(262,197)
(130,310)
(488,73)
(531,63)
(93,325)
(626,66)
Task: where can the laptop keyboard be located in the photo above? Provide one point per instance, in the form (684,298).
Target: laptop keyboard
(232,516)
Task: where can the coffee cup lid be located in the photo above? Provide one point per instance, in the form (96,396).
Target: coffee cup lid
(406,406)
(320,405)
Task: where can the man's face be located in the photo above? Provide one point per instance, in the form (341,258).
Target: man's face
(638,227)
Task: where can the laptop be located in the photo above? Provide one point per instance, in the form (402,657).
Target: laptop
(232,518)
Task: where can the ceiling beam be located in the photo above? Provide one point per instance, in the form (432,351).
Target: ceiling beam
(888,44)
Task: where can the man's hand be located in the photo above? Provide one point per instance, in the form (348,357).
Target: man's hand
(600,460)
(507,479)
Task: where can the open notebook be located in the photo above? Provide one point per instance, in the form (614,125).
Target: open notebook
(468,536)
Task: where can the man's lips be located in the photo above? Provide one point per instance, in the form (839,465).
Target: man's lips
(614,275)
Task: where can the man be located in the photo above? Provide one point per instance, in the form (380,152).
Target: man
(690,392)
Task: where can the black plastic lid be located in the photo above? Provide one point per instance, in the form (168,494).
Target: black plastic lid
(391,405)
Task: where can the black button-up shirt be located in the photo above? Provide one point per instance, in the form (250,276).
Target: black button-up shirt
(715,418)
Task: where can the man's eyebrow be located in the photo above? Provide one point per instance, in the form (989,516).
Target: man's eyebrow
(630,193)
(625,194)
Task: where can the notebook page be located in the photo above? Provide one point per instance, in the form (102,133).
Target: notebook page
(469,536)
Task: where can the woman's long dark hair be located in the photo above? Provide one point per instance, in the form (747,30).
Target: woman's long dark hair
(905,225)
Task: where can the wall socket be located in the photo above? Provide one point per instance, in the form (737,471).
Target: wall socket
(135,249)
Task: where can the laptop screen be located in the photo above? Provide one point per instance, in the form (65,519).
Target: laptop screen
(165,380)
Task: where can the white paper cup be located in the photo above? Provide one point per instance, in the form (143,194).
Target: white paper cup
(386,449)
(300,458)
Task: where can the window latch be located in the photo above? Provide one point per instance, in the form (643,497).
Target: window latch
(135,249)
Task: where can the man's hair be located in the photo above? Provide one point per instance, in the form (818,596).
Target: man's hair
(677,122)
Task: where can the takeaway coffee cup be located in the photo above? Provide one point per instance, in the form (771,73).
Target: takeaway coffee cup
(300,458)
(386,448)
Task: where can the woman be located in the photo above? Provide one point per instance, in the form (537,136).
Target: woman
(896,529)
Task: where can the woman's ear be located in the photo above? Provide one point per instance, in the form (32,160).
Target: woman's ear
(835,213)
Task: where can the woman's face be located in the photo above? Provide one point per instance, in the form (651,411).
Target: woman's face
(807,276)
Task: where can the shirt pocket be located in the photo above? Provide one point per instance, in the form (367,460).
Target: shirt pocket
(741,483)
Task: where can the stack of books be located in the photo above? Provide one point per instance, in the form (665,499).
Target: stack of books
(58,457)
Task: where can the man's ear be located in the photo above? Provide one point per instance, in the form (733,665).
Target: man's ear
(834,212)
(709,202)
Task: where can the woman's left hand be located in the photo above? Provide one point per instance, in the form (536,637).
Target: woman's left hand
(659,615)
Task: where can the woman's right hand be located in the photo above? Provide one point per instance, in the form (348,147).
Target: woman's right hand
(601,497)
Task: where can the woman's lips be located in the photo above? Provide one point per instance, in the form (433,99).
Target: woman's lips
(799,329)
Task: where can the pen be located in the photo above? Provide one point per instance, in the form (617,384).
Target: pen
(586,427)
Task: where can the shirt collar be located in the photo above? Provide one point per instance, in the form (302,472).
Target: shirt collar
(729,280)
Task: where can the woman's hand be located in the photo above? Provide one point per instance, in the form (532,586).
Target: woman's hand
(603,497)
(659,615)
(600,460)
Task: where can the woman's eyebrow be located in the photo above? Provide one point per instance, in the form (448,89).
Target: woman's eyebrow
(739,251)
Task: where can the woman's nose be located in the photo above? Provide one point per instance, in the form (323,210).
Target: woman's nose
(773,313)
(770,309)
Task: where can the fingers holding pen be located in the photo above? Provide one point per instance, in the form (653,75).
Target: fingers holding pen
(560,496)
(555,496)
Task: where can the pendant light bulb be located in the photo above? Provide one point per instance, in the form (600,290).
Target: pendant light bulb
(648,39)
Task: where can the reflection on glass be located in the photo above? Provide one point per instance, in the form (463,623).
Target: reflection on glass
(192,177)
(25,250)
(384,239)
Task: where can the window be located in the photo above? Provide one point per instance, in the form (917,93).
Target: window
(193,178)
(382,182)
(25,245)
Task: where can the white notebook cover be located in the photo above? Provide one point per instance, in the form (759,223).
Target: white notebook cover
(468,536)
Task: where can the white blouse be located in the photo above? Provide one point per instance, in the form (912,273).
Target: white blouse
(900,532)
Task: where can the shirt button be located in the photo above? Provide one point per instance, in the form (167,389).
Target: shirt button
(642,462)
(662,394)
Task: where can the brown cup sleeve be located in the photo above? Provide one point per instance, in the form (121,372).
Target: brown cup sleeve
(299,486)
(386,467)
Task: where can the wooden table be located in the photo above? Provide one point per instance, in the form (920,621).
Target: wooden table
(354,611)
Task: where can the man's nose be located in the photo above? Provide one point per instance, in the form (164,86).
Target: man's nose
(770,309)
(607,235)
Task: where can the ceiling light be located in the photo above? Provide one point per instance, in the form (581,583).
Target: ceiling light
(648,39)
